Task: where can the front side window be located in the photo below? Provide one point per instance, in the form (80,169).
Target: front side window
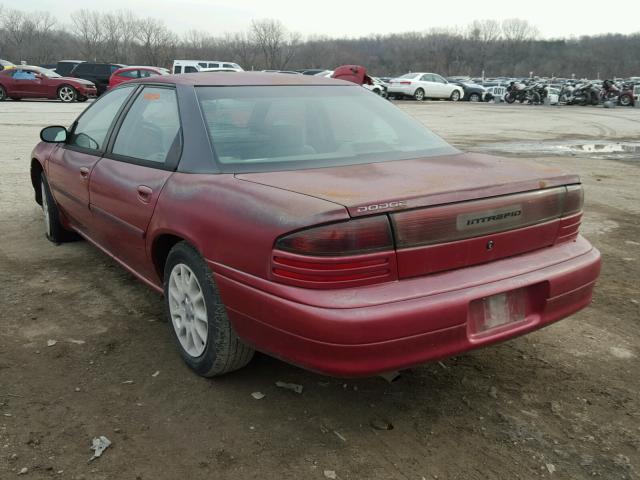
(151,129)
(20,74)
(177,69)
(263,128)
(189,69)
(92,127)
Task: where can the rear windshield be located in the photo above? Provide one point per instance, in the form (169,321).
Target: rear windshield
(266,128)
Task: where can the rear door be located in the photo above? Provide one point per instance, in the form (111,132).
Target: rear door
(70,164)
(126,183)
(102,74)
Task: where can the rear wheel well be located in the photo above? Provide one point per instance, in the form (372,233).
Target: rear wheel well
(36,172)
(160,251)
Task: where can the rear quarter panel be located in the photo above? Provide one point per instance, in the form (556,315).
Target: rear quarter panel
(234,222)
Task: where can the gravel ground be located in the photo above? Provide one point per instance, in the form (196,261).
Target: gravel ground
(561,403)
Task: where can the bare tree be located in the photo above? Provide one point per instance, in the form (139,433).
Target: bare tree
(90,31)
(518,30)
(156,42)
(242,47)
(277,45)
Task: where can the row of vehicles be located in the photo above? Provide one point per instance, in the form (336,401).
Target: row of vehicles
(608,92)
(77,80)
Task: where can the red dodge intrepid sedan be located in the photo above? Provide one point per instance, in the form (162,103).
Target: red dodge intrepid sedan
(310,219)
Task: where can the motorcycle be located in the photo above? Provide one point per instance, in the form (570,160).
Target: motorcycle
(522,93)
(586,94)
(617,93)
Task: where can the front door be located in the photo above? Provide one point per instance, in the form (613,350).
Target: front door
(70,165)
(126,184)
(25,83)
(442,86)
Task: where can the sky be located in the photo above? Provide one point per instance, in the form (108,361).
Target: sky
(353,18)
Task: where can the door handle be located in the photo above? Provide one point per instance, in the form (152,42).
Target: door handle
(84,172)
(144,193)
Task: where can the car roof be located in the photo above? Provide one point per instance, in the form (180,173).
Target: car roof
(135,67)
(242,79)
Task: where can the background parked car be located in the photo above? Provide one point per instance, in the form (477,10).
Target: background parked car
(310,71)
(472,92)
(379,87)
(4,64)
(422,85)
(129,73)
(98,73)
(192,66)
(36,82)
(65,67)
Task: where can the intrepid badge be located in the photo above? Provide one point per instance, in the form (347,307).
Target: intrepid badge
(490,219)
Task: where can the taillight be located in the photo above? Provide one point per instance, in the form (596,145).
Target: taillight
(573,200)
(405,82)
(459,221)
(345,254)
(571,214)
(365,235)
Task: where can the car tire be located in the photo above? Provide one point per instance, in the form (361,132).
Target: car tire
(455,96)
(625,100)
(419,94)
(197,317)
(3,94)
(53,229)
(474,97)
(67,94)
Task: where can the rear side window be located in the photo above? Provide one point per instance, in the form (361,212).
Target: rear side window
(84,69)
(129,74)
(147,73)
(103,70)
(151,129)
(92,127)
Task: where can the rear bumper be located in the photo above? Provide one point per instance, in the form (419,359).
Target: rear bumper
(354,335)
(402,89)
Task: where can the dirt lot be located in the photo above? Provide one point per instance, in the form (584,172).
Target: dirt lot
(561,403)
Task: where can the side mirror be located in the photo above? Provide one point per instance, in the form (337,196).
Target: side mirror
(54,134)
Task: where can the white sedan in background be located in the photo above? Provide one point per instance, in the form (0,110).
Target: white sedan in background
(420,85)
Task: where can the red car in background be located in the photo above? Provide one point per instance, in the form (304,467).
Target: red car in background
(131,73)
(36,82)
(310,219)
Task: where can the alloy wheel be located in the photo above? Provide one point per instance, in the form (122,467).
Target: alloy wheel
(455,96)
(188,310)
(66,94)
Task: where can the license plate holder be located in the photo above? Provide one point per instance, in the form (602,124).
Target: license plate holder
(498,312)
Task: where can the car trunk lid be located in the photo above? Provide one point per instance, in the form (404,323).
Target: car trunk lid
(452,211)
